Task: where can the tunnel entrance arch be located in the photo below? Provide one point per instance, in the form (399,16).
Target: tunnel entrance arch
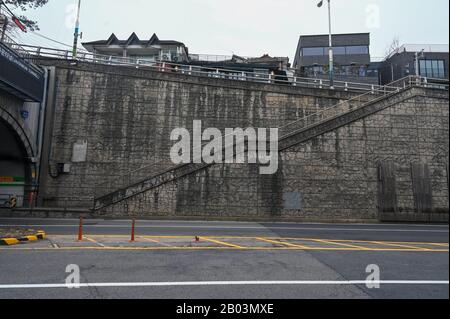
(16,164)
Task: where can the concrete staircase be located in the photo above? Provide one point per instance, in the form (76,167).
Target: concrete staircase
(151,177)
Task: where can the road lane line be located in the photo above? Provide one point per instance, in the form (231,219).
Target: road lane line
(400,246)
(341,249)
(329,242)
(94,241)
(269,238)
(436,244)
(282,243)
(222,243)
(226,283)
(155,241)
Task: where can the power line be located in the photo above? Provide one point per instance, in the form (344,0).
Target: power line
(53,40)
(14,18)
(6,7)
(10,15)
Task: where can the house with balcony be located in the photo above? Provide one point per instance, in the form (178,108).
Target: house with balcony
(152,49)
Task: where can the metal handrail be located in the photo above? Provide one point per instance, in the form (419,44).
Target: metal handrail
(16,49)
(187,69)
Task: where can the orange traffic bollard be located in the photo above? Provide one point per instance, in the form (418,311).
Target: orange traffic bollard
(31,199)
(80,230)
(133,226)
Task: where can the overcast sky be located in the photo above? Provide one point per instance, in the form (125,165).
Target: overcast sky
(246,27)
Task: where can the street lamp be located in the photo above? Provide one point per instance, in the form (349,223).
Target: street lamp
(331,66)
(77,31)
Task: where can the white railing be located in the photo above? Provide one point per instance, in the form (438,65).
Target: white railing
(209,57)
(186,69)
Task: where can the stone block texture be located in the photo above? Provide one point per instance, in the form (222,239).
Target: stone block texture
(346,172)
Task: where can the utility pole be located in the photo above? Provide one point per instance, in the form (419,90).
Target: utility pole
(77,32)
(330,44)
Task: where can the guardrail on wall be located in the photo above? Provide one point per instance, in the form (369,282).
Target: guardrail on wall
(20,77)
(30,51)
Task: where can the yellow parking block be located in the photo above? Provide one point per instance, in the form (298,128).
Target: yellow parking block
(31,238)
(10,241)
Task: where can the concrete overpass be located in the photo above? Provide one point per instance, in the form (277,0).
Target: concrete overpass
(22,88)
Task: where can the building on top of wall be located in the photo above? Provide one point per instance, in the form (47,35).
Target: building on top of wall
(352,61)
(427,60)
(152,49)
(264,68)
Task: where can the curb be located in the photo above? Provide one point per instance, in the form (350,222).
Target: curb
(15,241)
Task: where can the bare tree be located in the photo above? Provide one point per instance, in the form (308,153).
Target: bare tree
(24,5)
(394,46)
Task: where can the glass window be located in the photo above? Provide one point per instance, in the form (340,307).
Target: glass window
(357,50)
(441,69)
(313,51)
(339,50)
(423,68)
(434,64)
(432,68)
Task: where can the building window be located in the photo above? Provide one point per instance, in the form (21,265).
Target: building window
(339,51)
(343,50)
(313,51)
(432,68)
(360,49)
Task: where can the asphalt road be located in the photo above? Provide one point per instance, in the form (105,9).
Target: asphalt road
(211,274)
(387,232)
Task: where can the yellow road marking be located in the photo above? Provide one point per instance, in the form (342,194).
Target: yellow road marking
(341,244)
(270,238)
(154,241)
(400,245)
(141,236)
(218,248)
(221,243)
(436,244)
(359,241)
(345,245)
(95,242)
(282,243)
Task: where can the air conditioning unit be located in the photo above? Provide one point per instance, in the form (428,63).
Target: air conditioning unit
(166,57)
